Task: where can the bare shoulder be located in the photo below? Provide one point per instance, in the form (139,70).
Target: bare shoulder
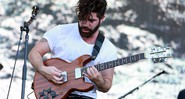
(42,45)
(43,40)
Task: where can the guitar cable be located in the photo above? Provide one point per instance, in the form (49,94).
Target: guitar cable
(29,94)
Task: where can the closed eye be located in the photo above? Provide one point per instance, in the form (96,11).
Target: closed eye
(92,20)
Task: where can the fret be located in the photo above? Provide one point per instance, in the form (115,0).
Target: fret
(142,56)
(120,61)
(102,67)
(84,70)
(110,64)
(117,62)
(124,60)
(97,67)
(128,59)
(137,57)
(132,58)
(114,63)
(105,66)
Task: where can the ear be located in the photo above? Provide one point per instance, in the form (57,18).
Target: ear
(103,18)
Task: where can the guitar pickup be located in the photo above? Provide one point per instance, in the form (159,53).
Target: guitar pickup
(64,74)
(78,73)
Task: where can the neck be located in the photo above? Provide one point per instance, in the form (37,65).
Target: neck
(92,39)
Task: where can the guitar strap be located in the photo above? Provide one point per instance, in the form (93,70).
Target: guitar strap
(97,45)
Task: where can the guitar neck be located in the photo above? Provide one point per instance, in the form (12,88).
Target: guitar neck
(117,62)
(121,61)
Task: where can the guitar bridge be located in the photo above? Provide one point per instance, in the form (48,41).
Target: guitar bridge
(78,73)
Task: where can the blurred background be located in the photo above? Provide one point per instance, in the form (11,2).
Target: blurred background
(133,26)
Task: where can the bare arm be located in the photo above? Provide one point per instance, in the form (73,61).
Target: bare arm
(37,52)
(35,58)
(103,79)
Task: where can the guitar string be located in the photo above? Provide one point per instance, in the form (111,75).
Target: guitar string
(98,65)
(71,73)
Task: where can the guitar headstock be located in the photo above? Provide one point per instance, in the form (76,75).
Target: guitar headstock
(159,54)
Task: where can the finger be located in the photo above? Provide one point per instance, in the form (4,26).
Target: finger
(57,82)
(94,69)
(58,70)
(91,71)
(87,74)
(57,74)
(58,78)
(53,80)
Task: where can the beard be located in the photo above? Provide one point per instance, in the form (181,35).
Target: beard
(90,31)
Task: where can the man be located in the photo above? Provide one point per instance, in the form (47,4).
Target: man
(70,41)
(181,94)
(1,66)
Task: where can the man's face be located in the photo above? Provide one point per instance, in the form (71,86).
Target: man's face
(88,27)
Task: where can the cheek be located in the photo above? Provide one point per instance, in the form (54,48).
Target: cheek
(94,25)
(80,24)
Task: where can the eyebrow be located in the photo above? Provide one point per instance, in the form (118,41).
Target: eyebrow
(92,20)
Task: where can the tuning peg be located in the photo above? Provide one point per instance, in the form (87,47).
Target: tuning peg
(155,60)
(169,55)
(153,50)
(165,59)
(161,60)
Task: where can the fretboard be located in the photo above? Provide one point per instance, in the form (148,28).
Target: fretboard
(118,62)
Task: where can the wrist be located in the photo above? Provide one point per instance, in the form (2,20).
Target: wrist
(104,86)
(40,69)
(100,83)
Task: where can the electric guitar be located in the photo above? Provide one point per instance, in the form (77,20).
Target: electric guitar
(73,73)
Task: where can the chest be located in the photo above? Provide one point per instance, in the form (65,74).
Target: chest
(71,48)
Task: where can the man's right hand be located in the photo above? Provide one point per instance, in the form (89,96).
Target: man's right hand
(52,74)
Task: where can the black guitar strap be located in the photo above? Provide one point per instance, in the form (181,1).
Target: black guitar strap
(97,46)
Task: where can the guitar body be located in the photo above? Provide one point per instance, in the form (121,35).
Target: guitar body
(45,88)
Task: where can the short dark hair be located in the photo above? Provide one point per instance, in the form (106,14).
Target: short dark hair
(85,7)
